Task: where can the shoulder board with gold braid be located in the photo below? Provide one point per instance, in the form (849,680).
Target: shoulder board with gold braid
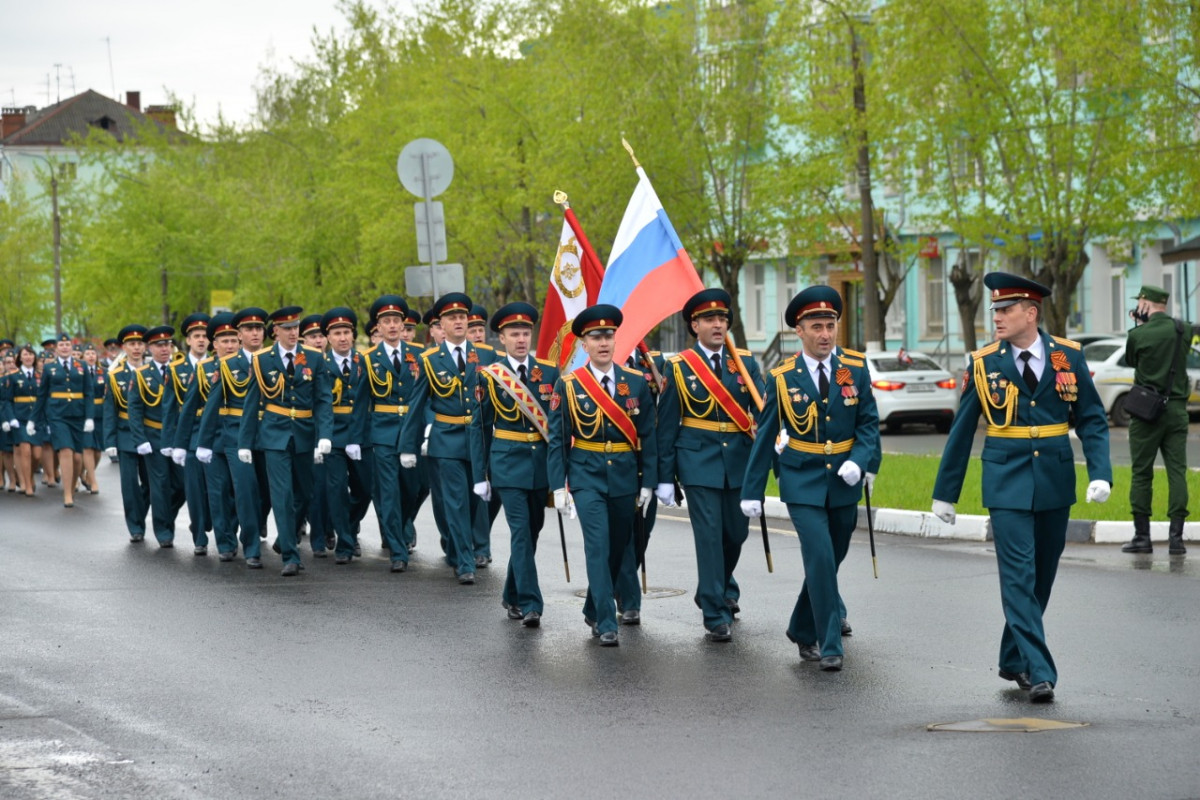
(986,350)
(850,362)
(482,346)
(430,352)
(675,359)
(547,362)
(316,350)
(499,353)
(787,366)
(853,353)
(372,349)
(653,353)
(1066,342)
(264,350)
(142,367)
(570,376)
(206,360)
(633,371)
(741,351)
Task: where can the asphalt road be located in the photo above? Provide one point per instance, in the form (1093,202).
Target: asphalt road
(924,440)
(133,672)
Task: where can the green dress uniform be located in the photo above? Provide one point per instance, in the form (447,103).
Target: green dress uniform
(147,420)
(705,449)
(1148,350)
(98,377)
(64,403)
(1028,477)
(135,478)
(187,482)
(288,411)
(22,396)
(448,390)
(348,482)
(217,512)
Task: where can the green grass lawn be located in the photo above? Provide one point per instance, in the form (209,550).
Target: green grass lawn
(906,481)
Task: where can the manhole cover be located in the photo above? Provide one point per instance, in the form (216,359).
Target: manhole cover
(1018,725)
(653,593)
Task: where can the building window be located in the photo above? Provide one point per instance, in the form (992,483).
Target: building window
(933,299)
(1117,298)
(755,297)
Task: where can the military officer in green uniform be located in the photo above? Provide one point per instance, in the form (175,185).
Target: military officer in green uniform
(477,321)
(320,528)
(183,372)
(393,371)
(289,417)
(819,418)
(508,451)
(447,387)
(64,403)
(1026,384)
(147,421)
(118,437)
(1149,351)
(705,430)
(603,458)
(220,426)
(347,483)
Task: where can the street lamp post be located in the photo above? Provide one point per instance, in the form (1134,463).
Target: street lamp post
(57,221)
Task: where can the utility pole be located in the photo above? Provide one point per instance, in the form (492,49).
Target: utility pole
(58,328)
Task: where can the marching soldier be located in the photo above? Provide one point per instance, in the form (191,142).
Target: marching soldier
(603,458)
(392,374)
(508,451)
(1026,385)
(348,479)
(119,440)
(22,393)
(320,527)
(93,443)
(182,374)
(705,430)
(147,409)
(411,320)
(220,424)
(64,403)
(477,324)
(819,405)
(290,388)
(447,386)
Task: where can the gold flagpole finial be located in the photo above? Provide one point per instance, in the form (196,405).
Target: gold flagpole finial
(629,149)
(560,198)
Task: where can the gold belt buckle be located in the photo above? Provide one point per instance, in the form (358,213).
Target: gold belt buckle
(608,447)
(1033,432)
(829,448)
(292,413)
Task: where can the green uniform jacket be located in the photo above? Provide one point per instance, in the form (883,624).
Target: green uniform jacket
(57,379)
(226,401)
(390,392)
(1027,473)
(148,406)
(181,376)
(186,435)
(1148,350)
(506,462)
(116,409)
(443,391)
(351,400)
(308,391)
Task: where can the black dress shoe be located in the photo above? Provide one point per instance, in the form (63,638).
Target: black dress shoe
(254,563)
(513,611)
(631,617)
(275,546)
(330,542)
(809,652)
(199,551)
(320,554)
(227,556)
(831,663)
(732,605)
(1042,693)
(68,505)
(358,549)
(481,562)
(467,578)
(609,639)
(341,560)
(1021,679)
(532,620)
(399,566)
(136,538)
(166,545)
(846,629)
(290,570)
(721,633)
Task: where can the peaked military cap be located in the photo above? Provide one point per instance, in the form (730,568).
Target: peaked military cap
(1154,294)
(1008,289)
(412,318)
(193,321)
(706,303)
(111,342)
(286,317)
(388,304)
(131,333)
(311,324)
(252,315)
(452,302)
(477,316)
(600,317)
(430,317)
(340,317)
(517,313)
(160,333)
(221,322)
(813,302)
(48,343)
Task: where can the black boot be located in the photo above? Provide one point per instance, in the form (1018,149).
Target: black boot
(1141,536)
(1175,538)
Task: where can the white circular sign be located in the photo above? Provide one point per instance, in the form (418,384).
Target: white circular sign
(425,164)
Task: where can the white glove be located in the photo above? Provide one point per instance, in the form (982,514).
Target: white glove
(324,447)
(168,452)
(869,481)
(643,501)
(781,442)
(408,460)
(318,456)
(354,452)
(666,493)
(425,440)
(179,456)
(89,425)
(483,490)
(245,456)
(13,424)
(944,511)
(1098,491)
(752,508)
(4,427)
(850,473)
(111,452)
(144,449)
(30,428)
(204,455)
(564,503)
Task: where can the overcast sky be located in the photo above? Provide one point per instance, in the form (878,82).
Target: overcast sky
(208,54)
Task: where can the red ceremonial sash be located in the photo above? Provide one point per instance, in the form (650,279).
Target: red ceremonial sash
(718,391)
(616,415)
(519,393)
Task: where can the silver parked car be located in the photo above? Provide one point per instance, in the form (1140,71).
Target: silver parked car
(911,387)
(1113,377)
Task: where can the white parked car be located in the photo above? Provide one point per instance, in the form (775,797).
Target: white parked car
(911,387)
(1113,377)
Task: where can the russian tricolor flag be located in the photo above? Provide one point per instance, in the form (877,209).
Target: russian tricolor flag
(650,276)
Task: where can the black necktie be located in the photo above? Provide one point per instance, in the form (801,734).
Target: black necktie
(1030,379)
(604,382)
(716,362)
(162,372)
(462,365)
(395,361)
(346,368)
(291,366)
(822,381)
(521,372)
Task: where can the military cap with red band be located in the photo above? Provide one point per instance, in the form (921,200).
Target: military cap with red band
(1008,289)
(517,313)
(813,302)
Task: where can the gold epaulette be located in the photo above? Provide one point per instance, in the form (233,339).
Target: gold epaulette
(653,353)
(371,349)
(142,367)
(264,350)
(850,362)
(482,346)
(570,376)
(205,360)
(316,350)
(499,353)
(231,355)
(430,351)
(986,350)
(741,351)
(675,359)
(787,365)
(547,362)
(633,371)
(1066,342)
(853,353)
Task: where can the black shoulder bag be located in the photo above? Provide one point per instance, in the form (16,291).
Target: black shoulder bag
(1146,402)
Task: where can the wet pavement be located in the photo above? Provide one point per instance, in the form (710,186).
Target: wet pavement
(135,672)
